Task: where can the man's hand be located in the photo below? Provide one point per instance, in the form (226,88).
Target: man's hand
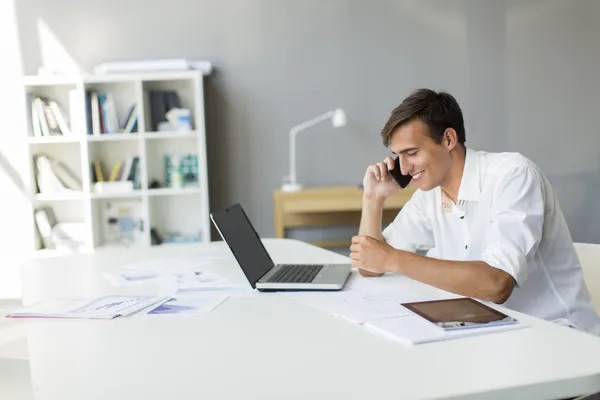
(370,254)
(378,183)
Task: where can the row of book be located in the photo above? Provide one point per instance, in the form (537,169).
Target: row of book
(47,117)
(53,176)
(102,116)
(121,171)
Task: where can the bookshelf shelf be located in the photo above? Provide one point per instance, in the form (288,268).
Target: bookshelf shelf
(54,139)
(50,197)
(113,137)
(173,191)
(130,106)
(169,135)
(127,195)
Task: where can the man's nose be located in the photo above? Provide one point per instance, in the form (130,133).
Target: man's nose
(405,167)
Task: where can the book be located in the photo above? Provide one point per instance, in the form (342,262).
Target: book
(115,171)
(52,123)
(66,176)
(46,178)
(129,124)
(45,220)
(95,112)
(41,113)
(158,109)
(61,121)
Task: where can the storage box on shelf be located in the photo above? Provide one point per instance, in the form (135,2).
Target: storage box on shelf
(126,162)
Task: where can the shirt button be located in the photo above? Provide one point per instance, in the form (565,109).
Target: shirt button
(466,246)
(463,217)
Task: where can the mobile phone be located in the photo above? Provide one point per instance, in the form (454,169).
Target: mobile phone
(403,180)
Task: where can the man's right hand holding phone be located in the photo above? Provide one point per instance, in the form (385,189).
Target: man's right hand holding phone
(378,183)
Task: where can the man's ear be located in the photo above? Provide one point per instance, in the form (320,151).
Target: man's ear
(449,139)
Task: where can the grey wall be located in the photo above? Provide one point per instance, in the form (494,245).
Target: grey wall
(524,71)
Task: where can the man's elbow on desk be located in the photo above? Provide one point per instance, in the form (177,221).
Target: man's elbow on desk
(368,274)
(502,288)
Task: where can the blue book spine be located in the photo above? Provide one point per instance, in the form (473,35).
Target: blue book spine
(104,112)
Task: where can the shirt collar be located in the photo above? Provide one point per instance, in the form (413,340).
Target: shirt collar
(469,189)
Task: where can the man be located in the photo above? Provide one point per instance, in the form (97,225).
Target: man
(491,221)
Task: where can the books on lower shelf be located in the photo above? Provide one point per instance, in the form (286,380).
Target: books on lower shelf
(53,176)
(124,176)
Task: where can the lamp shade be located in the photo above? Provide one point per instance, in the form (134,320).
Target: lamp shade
(339,118)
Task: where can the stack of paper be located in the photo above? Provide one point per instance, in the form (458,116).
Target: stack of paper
(107,307)
(184,275)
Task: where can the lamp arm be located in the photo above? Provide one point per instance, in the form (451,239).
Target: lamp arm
(294,132)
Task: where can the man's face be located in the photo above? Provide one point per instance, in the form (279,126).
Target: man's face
(420,156)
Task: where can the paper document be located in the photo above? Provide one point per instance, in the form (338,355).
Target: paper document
(190,304)
(353,306)
(106,307)
(180,273)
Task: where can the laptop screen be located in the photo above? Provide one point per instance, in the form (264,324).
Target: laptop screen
(241,237)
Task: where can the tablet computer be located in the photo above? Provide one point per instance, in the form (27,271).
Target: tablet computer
(461,313)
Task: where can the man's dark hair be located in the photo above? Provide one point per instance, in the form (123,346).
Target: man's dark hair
(439,111)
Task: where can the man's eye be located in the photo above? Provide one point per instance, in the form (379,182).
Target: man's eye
(412,154)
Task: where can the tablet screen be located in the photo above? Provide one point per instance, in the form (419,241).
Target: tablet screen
(459,313)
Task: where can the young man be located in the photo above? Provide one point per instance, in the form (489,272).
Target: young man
(492,222)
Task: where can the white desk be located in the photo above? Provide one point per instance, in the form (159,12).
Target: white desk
(271,347)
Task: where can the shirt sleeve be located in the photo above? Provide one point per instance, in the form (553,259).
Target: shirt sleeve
(411,229)
(516,225)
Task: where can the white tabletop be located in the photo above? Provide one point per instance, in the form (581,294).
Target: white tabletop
(269,346)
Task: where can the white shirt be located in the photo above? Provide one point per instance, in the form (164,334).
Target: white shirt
(508,216)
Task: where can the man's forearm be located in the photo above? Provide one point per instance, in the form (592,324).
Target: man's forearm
(370,220)
(370,223)
(467,278)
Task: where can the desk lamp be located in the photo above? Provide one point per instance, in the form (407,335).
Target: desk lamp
(338,119)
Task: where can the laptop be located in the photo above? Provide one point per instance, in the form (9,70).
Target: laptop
(237,231)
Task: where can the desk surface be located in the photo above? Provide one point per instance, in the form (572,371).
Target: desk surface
(271,347)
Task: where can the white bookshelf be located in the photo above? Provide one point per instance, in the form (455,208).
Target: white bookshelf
(169,210)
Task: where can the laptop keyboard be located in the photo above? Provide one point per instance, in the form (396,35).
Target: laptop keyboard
(295,273)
